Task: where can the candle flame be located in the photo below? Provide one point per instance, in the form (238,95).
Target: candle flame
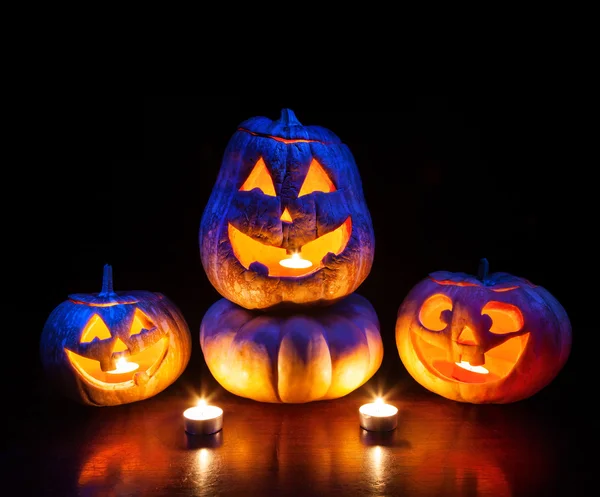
(295,261)
(201,403)
(124,366)
(379,401)
(474,369)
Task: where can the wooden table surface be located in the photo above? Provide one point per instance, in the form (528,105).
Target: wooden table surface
(536,447)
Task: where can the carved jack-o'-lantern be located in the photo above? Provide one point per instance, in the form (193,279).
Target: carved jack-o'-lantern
(292,357)
(286,222)
(493,339)
(114,348)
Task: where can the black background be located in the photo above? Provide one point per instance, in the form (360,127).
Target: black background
(447,182)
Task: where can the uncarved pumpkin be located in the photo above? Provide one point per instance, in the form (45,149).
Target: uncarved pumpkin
(286,222)
(91,343)
(494,338)
(292,357)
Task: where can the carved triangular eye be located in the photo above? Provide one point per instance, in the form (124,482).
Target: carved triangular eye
(140,322)
(95,328)
(259,178)
(316,180)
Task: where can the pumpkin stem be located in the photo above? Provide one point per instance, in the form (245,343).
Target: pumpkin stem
(484,267)
(288,118)
(107,281)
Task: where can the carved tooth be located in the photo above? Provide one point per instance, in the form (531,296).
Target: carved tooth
(328,259)
(259,268)
(141,378)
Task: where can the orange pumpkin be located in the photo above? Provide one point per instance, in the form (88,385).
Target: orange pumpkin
(292,357)
(112,348)
(494,338)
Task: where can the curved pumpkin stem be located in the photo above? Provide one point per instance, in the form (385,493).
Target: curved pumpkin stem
(107,281)
(288,118)
(484,267)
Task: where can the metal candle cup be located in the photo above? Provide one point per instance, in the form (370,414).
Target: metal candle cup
(203,420)
(378,416)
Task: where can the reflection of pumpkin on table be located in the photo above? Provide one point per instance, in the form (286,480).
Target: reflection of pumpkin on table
(286,238)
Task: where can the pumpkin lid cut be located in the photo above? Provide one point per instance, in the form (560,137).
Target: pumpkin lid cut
(498,281)
(287,127)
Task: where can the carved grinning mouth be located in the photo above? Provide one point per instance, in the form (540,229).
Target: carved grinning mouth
(248,251)
(499,361)
(148,358)
(464,359)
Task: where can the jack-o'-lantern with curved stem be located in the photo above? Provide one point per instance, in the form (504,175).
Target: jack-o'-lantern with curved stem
(112,348)
(286,222)
(495,338)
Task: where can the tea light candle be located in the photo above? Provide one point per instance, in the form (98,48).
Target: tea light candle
(378,416)
(122,372)
(203,419)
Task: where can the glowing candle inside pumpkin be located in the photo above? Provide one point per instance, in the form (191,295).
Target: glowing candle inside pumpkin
(378,416)
(203,419)
(474,369)
(295,261)
(124,366)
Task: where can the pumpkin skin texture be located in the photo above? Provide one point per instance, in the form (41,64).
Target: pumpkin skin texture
(285,188)
(86,337)
(514,335)
(292,357)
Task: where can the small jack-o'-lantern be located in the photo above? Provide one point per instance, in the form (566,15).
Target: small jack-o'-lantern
(318,353)
(113,348)
(287,221)
(494,338)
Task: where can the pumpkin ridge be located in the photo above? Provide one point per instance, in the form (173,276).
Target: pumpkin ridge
(273,359)
(350,325)
(275,362)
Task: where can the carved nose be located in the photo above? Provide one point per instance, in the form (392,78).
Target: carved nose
(472,353)
(467,336)
(286,217)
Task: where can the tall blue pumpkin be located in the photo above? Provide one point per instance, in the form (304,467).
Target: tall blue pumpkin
(287,221)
